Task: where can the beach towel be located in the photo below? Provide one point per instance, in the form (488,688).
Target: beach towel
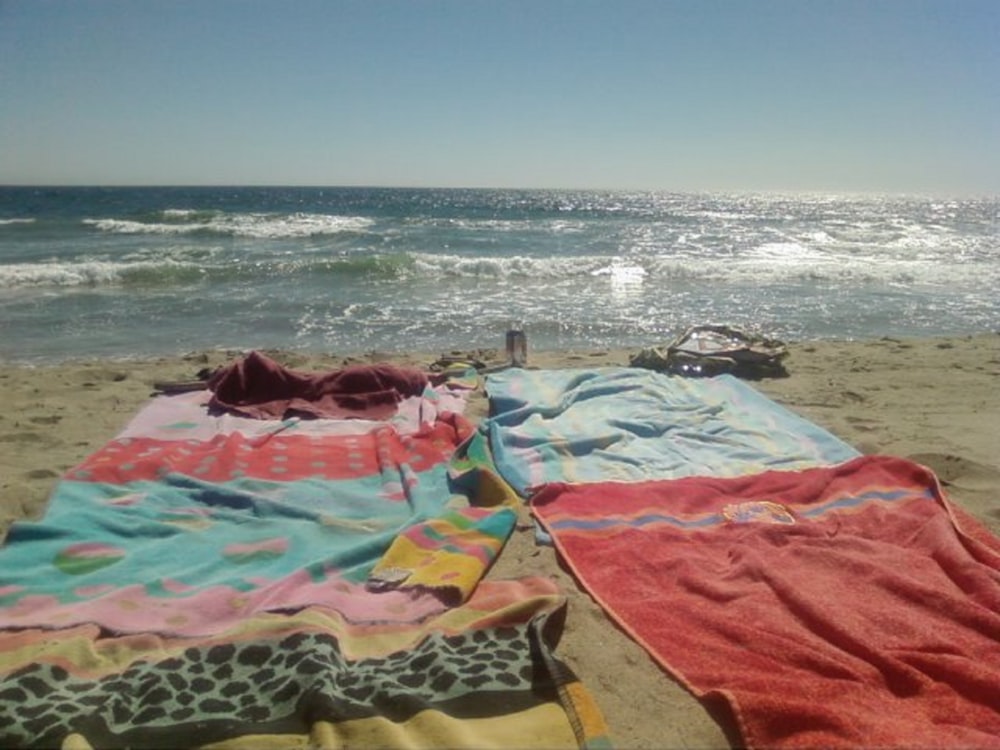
(844,606)
(189,535)
(629,424)
(257,386)
(207,577)
(479,675)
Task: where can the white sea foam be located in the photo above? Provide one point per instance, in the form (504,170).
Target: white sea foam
(4,222)
(258,226)
(787,253)
(58,274)
(768,264)
(121,226)
(265,226)
(622,273)
(82,273)
(505,267)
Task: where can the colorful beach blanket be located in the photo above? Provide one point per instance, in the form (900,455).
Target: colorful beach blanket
(625,424)
(479,675)
(845,606)
(191,535)
(209,577)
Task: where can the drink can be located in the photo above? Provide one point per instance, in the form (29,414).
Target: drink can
(517,348)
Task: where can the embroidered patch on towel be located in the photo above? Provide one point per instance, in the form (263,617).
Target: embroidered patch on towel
(758,511)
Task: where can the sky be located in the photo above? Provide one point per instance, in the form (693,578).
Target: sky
(781,95)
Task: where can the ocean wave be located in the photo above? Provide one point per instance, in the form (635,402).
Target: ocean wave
(390,266)
(251,225)
(773,263)
(184,214)
(11,222)
(92,273)
(167,271)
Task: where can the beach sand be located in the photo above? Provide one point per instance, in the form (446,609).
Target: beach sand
(934,401)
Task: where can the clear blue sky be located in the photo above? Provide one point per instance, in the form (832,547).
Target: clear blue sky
(843,95)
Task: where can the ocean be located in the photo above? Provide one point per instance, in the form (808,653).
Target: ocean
(139,272)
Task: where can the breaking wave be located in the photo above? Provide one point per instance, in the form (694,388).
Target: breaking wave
(175,221)
(774,264)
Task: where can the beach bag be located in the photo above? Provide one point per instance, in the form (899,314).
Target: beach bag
(707,350)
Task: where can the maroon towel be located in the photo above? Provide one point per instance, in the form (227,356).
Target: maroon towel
(259,387)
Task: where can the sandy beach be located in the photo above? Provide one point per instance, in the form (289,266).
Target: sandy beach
(933,401)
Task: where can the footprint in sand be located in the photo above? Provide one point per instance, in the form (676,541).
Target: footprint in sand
(21,437)
(41,474)
(971,483)
(956,470)
(49,420)
(863,425)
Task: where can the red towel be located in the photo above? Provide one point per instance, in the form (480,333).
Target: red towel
(257,386)
(848,606)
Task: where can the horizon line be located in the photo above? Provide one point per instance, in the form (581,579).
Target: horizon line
(361,186)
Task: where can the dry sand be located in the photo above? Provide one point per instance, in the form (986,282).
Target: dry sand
(931,400)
